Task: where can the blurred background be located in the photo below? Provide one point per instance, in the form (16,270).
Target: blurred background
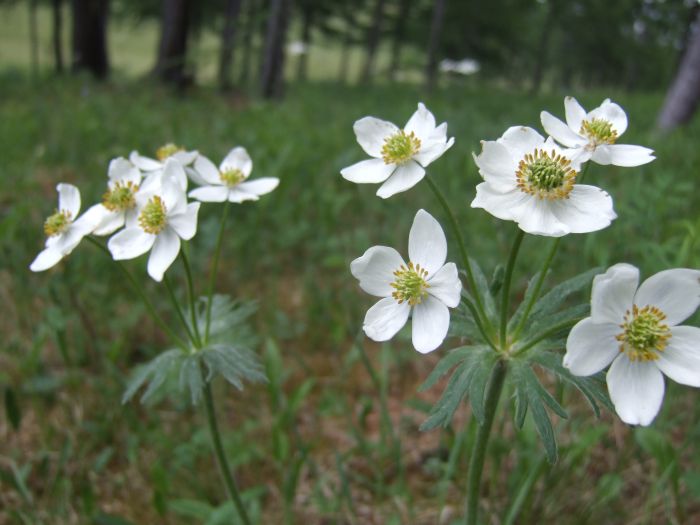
(85,81)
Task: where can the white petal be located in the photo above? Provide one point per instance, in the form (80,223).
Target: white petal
(368,171)
(165,250)
(675,292)
(210,193)
(371,133)
(152,184)
(427,245)
(422,123)
(446,286)
(385,319)
(130,243)
(121,170)
(575,114)
(260,186)
(623,155)
(66,242)
(173,170)
(612,113)
(560,131)
(613,293)
(431,320)
(236,195)
(207,170)
(636,389)
(587,209)
(375,270)
(144,163)
(173,194)
(680,360)
(405,177)
(521,140)
(111,222)
(184,158)
(432,150)
(591,347)
(502,204)
(185,224)
(46,259)
(497,166)
(238,159)
(536,216)
(68,199)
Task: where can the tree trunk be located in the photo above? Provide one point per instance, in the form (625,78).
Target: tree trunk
(303,61)
(543,46)
(57,35)
(33,39)
(433,43)
(248,32)
(272,75)
(373,36)
(228,35)
(399,33)
(683,95)
(90,37)
(172,49)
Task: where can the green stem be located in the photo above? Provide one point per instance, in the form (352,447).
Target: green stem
(220,455)
(506,286)
(146,301)
(477,320)
(178,310)
(538,287)
(476,463)
(462,249)
(190,295)
(215,265)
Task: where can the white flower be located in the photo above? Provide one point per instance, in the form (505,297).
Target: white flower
(637,331)
(425,286)
(594,134)
(229,181)
(118,206)
(63,230)
(154,167)
(164,218)
(533,182)
(399,155)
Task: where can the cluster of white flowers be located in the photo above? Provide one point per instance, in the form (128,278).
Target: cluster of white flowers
(148,199)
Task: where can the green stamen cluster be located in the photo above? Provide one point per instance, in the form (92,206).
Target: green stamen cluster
(167,150)
(232,177)
(400,148)
(546,175)
(153,217)
(57,223)
(120,197)
(644,334)
(599,131)
(410,284)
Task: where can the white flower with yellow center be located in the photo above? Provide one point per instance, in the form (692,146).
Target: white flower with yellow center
(593,135)
(400,156)
(229,181)
(424,287)
(532,181)
(636,329)
(163,219)
(153,168)
(64,229)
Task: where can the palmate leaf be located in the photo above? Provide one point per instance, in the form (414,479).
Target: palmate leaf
(484,291)
(555,298)
(155,373)
(472,368)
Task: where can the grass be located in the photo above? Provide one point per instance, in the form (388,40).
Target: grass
(311,446)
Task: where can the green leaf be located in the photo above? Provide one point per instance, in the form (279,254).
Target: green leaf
(234,364)
(191,377)
(477,386)
(191,508)
(462,324)
(497,280)
(14,413)
(447,363)
(513,322)
(229,320)
(154,373)
(484,290)
(551,301)
(536,327)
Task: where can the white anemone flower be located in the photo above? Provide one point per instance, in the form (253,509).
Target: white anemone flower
(164,218)
(229,181)
(64,229)
(532,181)
(636,329)
(118,206)
(153,168)
(399,156)
(424,287)
(593,135)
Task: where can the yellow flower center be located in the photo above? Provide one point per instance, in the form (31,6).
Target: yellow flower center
(400,148)
(153,217)
(232,177)
(546,175)
(167,150)
(644,334)
(598,131)
(410,284)
(120,197)
(57,223)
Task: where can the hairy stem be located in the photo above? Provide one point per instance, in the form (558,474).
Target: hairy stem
(506,287)
(214,267)
(190,295)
